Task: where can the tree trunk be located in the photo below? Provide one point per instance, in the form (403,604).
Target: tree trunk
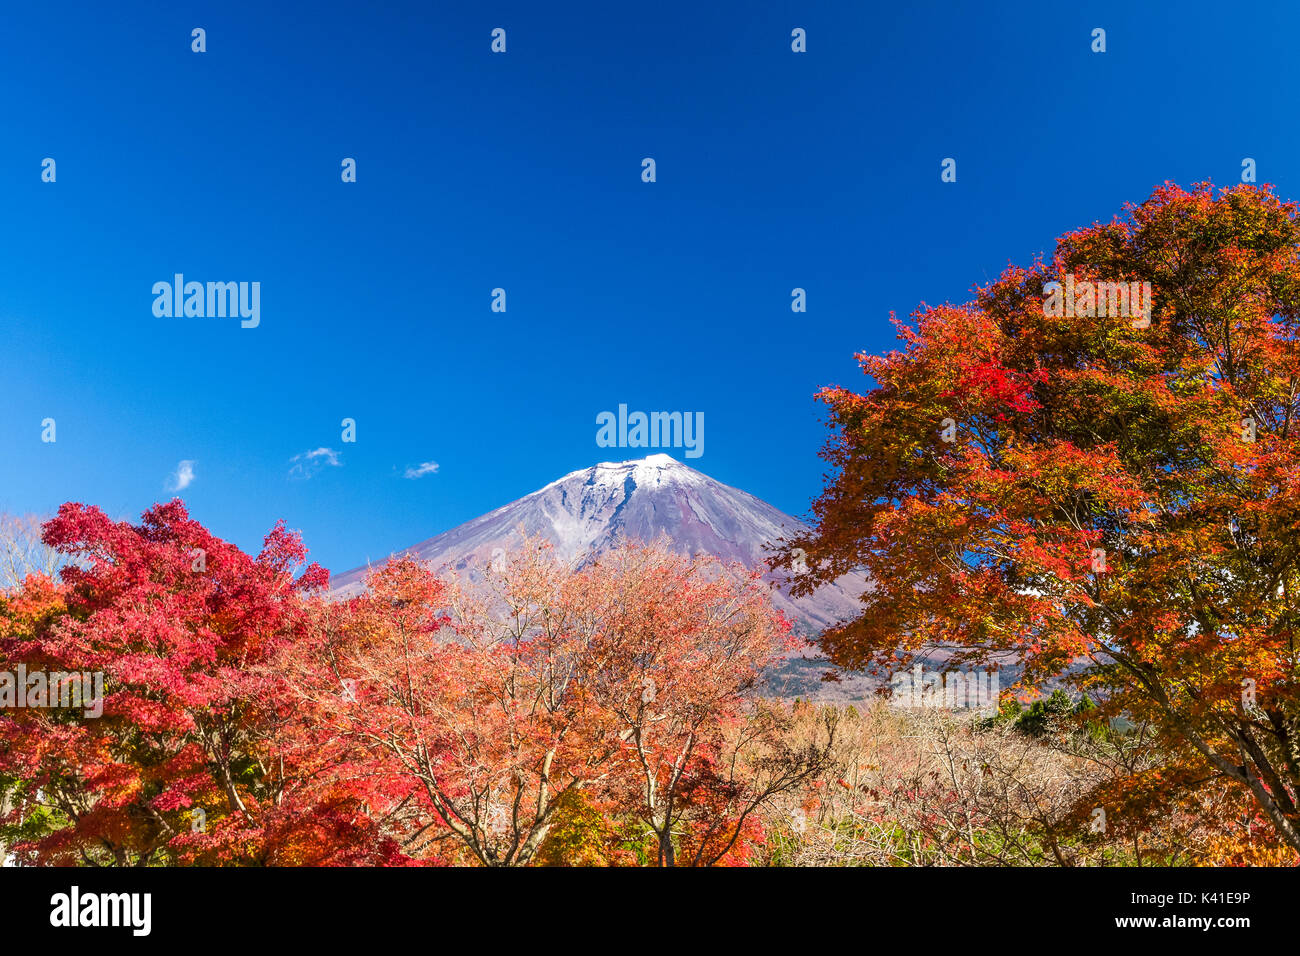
(667,853)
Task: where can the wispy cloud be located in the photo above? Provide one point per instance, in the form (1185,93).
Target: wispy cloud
(182,477)
(420,470)
(310,463)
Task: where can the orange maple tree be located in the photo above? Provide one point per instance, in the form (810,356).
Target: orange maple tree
(684,644)
(470,704)
(1105,495)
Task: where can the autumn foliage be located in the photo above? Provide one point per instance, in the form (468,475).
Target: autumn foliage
(1104,499)
(248,718)
(187,760)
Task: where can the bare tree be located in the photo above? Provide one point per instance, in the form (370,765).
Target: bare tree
(22,552)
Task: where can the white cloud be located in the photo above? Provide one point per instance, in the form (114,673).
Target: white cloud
(310,463)
(182,477)
(422,469)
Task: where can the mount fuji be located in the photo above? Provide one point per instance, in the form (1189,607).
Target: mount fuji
(590,510)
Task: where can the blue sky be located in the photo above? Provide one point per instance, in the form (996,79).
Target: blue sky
(522,171)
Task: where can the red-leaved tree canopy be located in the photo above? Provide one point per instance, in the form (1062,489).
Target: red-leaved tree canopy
(1105,491)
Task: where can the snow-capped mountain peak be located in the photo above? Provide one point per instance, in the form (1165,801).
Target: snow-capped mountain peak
(592,509)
